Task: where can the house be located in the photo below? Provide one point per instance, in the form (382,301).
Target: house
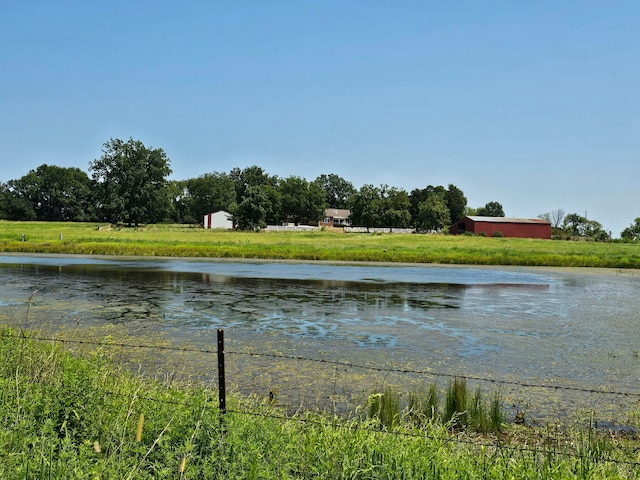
(335,217)
(219,219)
(506,227)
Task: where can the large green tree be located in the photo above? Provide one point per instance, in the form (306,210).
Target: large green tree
(433,213)
(382,206)
(131,182)
(50,193)
(491,209)
(252,176)
(258,198)
(366,207)
(302,202)
(395,207)
(337,190)
(452,197)
(209,193)
(578,226)
(456,202)
(632,232)
(13,206)
(251,213)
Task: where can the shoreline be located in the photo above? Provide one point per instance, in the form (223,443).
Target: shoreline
(140,258)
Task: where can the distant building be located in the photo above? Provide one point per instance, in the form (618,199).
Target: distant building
(335,217)
(220,219)
(508,227)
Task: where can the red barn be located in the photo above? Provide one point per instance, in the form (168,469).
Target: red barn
(508,227)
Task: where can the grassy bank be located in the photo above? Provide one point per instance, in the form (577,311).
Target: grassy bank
(186,241)
(69,417)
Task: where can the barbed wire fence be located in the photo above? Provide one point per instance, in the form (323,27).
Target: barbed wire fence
(220,383)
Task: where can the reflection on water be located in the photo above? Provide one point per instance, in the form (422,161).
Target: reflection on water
(521,324)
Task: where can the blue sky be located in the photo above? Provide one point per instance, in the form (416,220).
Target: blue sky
(534,104)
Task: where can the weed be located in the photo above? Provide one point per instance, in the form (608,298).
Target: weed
(455,409)
(385,407)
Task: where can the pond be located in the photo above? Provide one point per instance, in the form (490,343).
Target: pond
(575,328)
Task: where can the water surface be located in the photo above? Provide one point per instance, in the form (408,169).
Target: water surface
(575,328)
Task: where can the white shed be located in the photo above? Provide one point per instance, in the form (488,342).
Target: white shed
(219,219)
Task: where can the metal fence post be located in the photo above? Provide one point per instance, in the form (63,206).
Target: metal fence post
(222,396)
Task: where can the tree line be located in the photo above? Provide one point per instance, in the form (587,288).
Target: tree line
(129,185)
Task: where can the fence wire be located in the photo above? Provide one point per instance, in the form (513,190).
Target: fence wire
(339,363)
(351,426)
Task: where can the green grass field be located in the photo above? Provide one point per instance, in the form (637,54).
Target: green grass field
(64,416)
(189,241)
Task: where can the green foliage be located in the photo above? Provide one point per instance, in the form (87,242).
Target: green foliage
(380,207)
(366,208)
(433,214)
(385,407)
(577,226)
(302,202)
(436,207)
(49,193)
(460,410)
(423,407)
(632,232)
(456,403)
(456,202)
(251,213)
(130,183)
(337,190)
(497,234)
(209,193)
(491,209)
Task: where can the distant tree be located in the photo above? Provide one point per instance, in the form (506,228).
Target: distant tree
(632,232)
(13,205)
(3,192)
(131,182)
(65,194)
(302,202)
(366,207)
(418,196)
(575,225)
(456,203)
(253,176)
(395,207)
(491,209)
(433,213)
(545,216)
(380,207)
(178,196)
(470,211)
(453,198)
(337,190)
(578,226)
(273,206)
(252,210)
(209,193)
(555,217)
(51,193)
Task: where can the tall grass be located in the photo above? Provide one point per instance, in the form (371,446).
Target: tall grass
(67,417)
(460,410)
(188,241)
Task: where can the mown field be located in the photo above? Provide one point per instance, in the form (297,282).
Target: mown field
(189,241)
